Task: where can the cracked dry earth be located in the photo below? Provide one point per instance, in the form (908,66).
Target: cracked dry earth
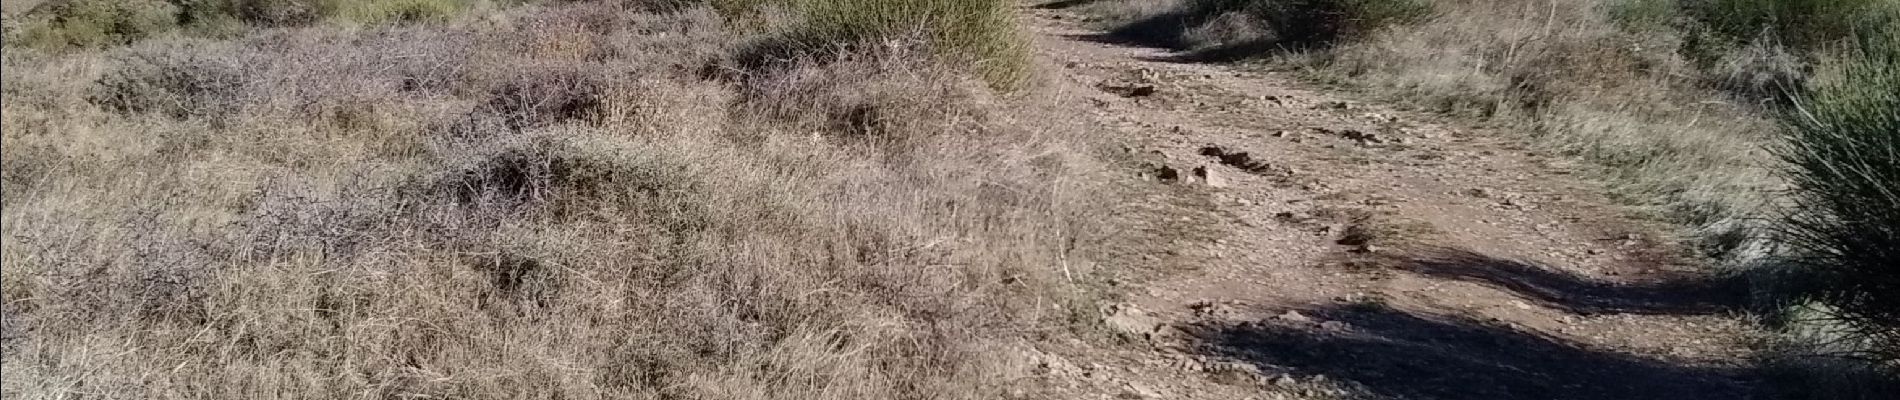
(1344,249)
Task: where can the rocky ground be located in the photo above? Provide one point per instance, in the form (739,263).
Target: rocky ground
(1350,249)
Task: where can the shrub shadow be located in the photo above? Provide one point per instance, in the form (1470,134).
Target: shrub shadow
(1578,294)
(1257,30)
(1063,4)
(1393,354)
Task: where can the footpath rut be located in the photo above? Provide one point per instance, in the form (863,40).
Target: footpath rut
(1352,250)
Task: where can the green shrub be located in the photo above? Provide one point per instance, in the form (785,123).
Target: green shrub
(980,35)
(1642,15)
(96,23)
(979,32)
(1844,155)
(1803,24)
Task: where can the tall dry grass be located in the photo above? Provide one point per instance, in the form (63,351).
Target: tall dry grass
(553,202)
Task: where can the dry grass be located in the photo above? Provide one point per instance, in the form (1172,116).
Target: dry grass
(62,25)
(980,36)
(549,203)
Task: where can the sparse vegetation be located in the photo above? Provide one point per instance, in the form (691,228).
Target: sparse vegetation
(559,204)
(980,34)
(67,24)
(1682,101)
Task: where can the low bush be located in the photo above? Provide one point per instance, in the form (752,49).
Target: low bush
(980,35)
(1801,24)
(95,23)
(1844,159)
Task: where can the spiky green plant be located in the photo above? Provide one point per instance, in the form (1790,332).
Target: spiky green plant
(1844,157)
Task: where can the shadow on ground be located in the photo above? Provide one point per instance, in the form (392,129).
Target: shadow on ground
(1393,354)
(1218,32)
(1684,295)
(1246,50)
(1063,4)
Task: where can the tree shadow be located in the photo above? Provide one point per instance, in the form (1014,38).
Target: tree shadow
(1063,4)
(1225,53)
(1393,354)
(1682,295)
(1270,29)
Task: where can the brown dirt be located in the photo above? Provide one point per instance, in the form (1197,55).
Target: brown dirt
(1360,251)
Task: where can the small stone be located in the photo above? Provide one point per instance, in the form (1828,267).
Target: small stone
(1362,137)
(1167,173)
(1210,177)
(1127,320)
(1294,316)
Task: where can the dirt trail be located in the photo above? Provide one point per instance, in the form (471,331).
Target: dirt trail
(1363,252)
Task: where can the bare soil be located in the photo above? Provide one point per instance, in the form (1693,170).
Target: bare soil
(1351,249)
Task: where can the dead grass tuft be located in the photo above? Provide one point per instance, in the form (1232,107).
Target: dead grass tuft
(430,211)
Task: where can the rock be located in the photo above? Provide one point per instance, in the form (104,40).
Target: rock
(1243,202)
(1138,391)
(1211,309)
(1166,173)
(1335,326)
(1294,316)
(1125,319)
(1210,177)
(1362,137)
(1131,90)
(1050,364)
(1285,381)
